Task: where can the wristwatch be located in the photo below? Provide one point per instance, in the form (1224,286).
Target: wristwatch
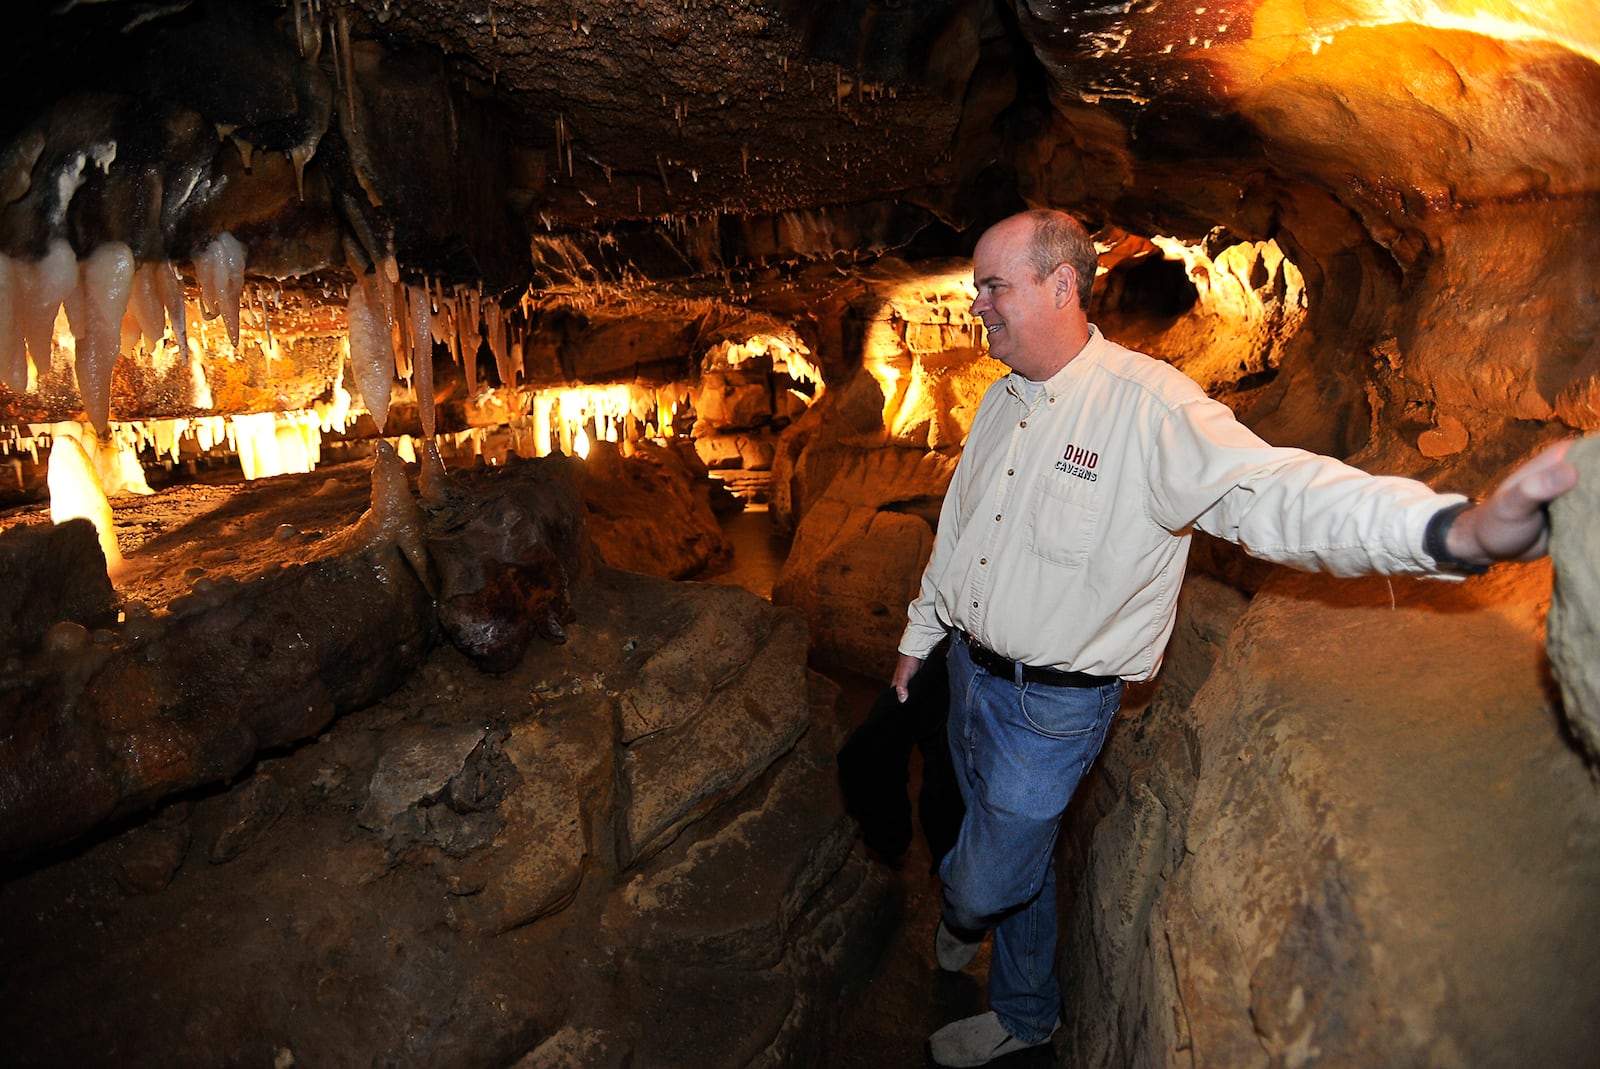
(1436,544)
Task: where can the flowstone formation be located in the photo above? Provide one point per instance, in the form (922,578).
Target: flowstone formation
(622,846)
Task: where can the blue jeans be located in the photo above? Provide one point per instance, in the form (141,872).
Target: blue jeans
(1020,750)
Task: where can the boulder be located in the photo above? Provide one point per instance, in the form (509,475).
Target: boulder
(48,574)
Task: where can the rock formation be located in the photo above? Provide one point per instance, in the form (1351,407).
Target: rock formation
(253,238)
(1419,839)
(622,849)
(1574,638)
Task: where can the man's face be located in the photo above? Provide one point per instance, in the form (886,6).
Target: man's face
(1020,312)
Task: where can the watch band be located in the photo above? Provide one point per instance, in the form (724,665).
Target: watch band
(1435,542)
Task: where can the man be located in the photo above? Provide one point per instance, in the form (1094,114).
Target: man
(1061,546)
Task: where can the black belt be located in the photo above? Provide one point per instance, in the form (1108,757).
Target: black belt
(998,666)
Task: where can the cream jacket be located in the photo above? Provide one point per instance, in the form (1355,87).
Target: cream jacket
(1064,534)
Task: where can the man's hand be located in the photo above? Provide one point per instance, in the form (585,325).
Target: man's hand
(904,669)
(1510,524)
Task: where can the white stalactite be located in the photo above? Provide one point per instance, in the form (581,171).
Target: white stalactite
(371,356)
(146,305)
(95,312)
(43,285)
(220,271)
(169,288)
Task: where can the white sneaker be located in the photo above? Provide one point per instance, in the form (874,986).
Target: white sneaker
(977,1041)
(952,952)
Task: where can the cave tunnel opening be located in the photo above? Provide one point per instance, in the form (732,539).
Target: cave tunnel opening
(1154,286)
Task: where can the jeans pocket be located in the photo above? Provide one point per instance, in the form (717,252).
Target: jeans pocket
(1063,712)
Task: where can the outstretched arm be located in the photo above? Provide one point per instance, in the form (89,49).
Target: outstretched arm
(1510,524)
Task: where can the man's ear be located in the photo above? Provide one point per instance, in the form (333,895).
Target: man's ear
(1066,284)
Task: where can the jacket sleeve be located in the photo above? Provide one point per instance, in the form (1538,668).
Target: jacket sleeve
(1286,505)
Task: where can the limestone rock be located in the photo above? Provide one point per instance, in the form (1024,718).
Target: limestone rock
(651,512)
(727,737)
(1574,631)
(1362,843)
(665,903)
(250,811)
(852,570)
(719,452)
(49,574)
(447,884)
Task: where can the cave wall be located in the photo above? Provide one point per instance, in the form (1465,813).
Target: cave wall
(1281,861)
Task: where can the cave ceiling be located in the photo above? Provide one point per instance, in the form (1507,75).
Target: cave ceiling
(698,150)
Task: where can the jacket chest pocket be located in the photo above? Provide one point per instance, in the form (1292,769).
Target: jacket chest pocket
(1066,516)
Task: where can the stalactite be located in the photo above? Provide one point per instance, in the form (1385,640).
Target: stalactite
(144,302)
(169,289)
(422,358)
(95,311)
(467,326)
(371,358)
(495,326)
(400,330)
(219,269)
(45,284)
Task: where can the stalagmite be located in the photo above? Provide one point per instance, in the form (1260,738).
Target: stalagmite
(371,358)
(434,484)
(43,285)
(422,358)
(95,312)
(75,493)
(394,518)
(219,268)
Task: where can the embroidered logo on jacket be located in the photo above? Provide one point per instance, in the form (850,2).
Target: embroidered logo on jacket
(1079,463)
